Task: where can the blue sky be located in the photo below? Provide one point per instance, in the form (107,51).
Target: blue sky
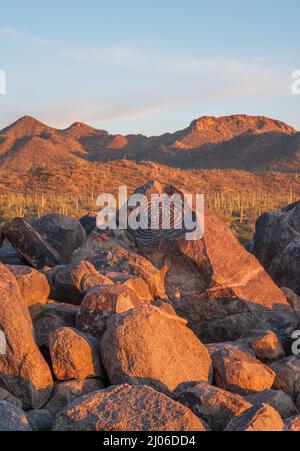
(148,67)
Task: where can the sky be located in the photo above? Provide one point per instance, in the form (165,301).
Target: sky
(132,66)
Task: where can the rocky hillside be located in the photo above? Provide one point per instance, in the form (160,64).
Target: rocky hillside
(233,142)
(142,330)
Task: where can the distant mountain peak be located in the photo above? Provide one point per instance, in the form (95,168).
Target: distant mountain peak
(26,126)
(213,130)
(241,122)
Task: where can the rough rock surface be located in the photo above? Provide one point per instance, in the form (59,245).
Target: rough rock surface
(293,299)
(13,419)
(215,406)
(11,399)
(127,408)
(293,424)
(30,244)
(34,286)
(110,253)
(23,371)
(100,303)
(10,256)
(52,316)
(66,392)
(40,420)
(277,399)
(74,355)
(72,282)
(214,283)
(64,233)
(238,370)
(259,418)
(276,244)
(288,375)
(149,345)
(266,345)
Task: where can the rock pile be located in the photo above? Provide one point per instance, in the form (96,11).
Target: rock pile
(113,331)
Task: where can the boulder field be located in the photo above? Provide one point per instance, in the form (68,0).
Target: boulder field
(143,330)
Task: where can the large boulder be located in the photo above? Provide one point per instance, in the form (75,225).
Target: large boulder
(238,370)
(30,244)
(23,371)
(33,284)
(277,399)
(64,233)
(127,408)
(74,355)
(213,282)
(265,344)
(66,392)
(288,375)
(149,345)
(276,244)
(13,419)
(215,406)
(73,281)
(262,418)
(110,253)
(100,303)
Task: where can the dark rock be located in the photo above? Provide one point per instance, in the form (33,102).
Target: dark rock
(293,424)
(277,399)
(88,222)
(13,419)
(65,234)
(215,406)
(259,418)
(9,255)
(277,245)
(23,371)
(288,375)
(30,244)
(72,282)
(40,420)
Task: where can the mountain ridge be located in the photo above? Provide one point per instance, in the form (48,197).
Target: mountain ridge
(228,142)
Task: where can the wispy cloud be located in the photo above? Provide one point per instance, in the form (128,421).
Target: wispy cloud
(153,81)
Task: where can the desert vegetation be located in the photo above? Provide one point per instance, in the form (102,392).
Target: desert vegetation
(239,210)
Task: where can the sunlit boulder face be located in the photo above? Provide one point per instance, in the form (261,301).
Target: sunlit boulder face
(127,408)
(23,370)
(276,244)
(220,288)
(152,345)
